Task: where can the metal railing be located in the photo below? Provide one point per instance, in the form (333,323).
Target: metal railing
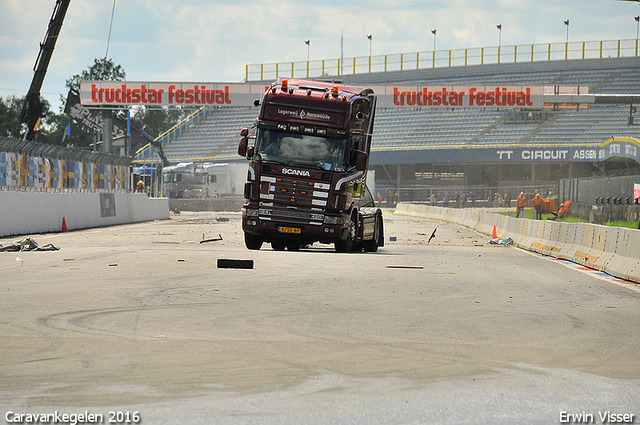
(445,58)
(147,152)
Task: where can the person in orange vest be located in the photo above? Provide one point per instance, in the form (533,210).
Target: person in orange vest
(562,212)
(522,201)
(537,207)
(140,188)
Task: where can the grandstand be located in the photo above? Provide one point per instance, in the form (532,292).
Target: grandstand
(214,137)
(413,142)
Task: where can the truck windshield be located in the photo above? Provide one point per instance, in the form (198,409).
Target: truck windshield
(300,149)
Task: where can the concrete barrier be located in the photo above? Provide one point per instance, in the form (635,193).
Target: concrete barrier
(611,247)
(626,264)
(614,250)
(23,213)
(573,242)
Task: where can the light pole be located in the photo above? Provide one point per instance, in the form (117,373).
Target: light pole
(370,37)
(567,24)
(499,26)
(637,18)
(308,43)
(433,31)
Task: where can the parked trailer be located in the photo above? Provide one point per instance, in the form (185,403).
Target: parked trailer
(198,180)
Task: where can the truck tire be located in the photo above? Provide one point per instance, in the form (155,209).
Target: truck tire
(380,231)
(277,245)
(347,244)
(294,246)
(253,242)
(372,245)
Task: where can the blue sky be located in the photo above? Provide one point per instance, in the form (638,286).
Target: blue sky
(212,41)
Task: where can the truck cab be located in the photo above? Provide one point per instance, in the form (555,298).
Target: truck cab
(308,166)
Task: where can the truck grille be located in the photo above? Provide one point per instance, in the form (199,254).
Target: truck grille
(293,200)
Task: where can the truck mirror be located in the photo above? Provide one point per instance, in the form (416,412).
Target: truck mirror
(250,150)
(242,147)
(244,132)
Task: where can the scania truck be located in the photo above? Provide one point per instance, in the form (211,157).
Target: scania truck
(308,167)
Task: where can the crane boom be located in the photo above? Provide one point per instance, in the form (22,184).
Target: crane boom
(32,107)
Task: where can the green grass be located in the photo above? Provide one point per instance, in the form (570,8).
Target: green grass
(528,213)
(629,224)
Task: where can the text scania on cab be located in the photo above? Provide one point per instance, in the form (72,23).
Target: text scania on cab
(308,168)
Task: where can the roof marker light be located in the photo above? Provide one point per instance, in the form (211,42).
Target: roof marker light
(334,91)
(285,85)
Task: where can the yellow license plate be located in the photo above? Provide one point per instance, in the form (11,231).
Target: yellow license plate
(282,229)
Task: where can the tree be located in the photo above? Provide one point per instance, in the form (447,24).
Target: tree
(10,125)
(101,70)
(156,121)
(152,121)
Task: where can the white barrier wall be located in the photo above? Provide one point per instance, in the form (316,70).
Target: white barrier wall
(613,250)
(23,213)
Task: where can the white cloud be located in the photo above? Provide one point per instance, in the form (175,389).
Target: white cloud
(204,40)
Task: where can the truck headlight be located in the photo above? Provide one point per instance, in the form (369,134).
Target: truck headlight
(328,219)
(250,212)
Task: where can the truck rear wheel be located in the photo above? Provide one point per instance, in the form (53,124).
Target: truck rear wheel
(378,237)
(253,242)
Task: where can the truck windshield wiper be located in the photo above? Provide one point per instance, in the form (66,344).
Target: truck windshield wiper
(314,164)
(272,161)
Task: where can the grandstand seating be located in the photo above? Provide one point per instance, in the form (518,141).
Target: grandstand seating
(217,135)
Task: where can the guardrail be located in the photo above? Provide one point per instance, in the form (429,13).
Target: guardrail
(445,58)
(614,250)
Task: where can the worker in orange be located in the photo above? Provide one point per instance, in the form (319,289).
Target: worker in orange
(522,200)
(562,212)
(140,188)
(537,206)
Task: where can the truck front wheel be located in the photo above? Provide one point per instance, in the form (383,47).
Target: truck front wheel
(346,245)
(253,242)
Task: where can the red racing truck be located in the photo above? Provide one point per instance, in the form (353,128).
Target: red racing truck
(308,169)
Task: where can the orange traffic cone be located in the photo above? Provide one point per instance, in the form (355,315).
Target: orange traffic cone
(64,225)
(494,234)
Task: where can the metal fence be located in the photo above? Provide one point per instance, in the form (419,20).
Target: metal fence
(503,195)
(599,190)
(445,58)
(33,166)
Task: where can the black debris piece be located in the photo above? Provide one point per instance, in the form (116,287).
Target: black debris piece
(27,244)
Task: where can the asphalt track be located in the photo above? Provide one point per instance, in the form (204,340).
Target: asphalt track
(138,318)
